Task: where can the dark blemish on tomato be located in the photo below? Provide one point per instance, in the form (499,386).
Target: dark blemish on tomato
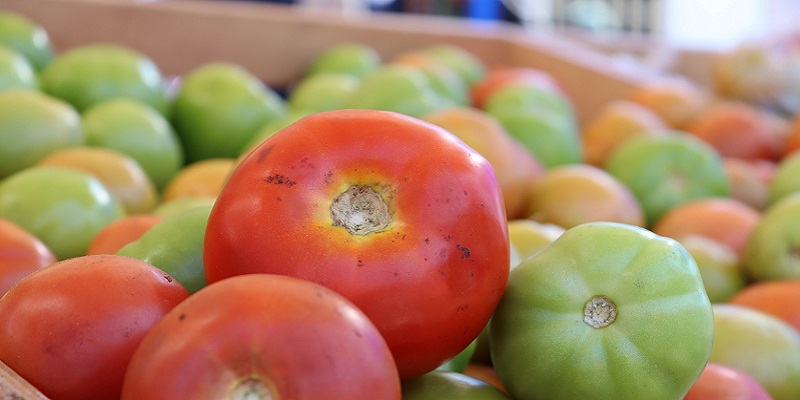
(279,179)
(462,308)
(448,237)
(483,205)
(359,262)
(182,316)
(263,153)
(168,278)
(329,177)
(466,329)
(279,199)
(305,163)
(465,193)
(425,259)
(395,274)
(443,253)
(358,333)
(464,251)
(427,241)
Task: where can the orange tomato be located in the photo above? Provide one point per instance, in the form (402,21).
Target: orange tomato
(121,232)
(723,219)
(199,179)
(21,253)
(778,298)
(738,130)
(676,101)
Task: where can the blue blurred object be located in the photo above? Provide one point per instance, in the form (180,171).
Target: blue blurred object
(483,9)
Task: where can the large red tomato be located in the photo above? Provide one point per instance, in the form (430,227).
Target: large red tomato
(396,214)
(70,328)
(263,336)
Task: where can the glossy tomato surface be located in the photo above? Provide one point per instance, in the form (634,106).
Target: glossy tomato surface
(21,253)
(263,336)
(396,214)
(70,328)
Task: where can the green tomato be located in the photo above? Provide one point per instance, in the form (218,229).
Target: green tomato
(549,136)
(65,208)
(786,179)
(219,107)
(136,129)
(16,72)
(33,125)
(28,38)
(516,98)
(322,92)
(665,171)
(461,360)
(446,385)
(272,128)
(180,204)
(89,74)
(175,245)
(356,59)
(771,248)
(471,68)
(761,345)
(606,311)
(400,88)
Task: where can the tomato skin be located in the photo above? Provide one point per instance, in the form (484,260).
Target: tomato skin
(21,253)
(70,328)
(429,280)
(298,339)
(649,339)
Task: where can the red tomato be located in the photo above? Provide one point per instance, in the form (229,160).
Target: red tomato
(396,214)
(70,329)
(274,336)
(21,253)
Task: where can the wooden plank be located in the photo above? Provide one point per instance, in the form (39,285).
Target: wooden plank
(14,387)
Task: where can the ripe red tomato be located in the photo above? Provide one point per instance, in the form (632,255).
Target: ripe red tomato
(21,253)
(396,214)
(263,336)
(70,328)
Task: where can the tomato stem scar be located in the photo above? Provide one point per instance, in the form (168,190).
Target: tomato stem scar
(251,387)
(360,210)
(599,312)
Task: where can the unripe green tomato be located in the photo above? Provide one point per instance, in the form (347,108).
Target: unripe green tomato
(175,245)
(606,311)
(32,125)
(63,207)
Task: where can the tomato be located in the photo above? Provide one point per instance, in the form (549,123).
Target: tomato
(70,328)
(175,245)
(398,215)
(721,382)
(606,311)
(121,232)
(450,385)
(263,336)
(21,253)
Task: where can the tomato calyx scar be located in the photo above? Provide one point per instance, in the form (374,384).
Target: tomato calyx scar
(599,312)
(360,210)
(251,387)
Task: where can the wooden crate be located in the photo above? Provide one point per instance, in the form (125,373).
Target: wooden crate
(276,43)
